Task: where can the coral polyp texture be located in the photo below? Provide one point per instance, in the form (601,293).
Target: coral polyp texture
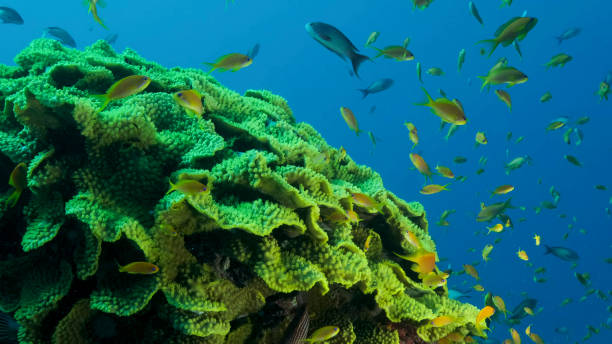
(265,255)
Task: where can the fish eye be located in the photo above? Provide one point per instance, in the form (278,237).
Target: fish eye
(180,94)
(153,268)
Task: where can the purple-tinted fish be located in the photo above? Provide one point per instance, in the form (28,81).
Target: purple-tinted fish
(334,40)
(10,16)
(377,86)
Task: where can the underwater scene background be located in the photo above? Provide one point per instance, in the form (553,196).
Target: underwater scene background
(576,213)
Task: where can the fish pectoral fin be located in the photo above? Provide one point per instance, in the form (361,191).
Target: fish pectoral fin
(325,37)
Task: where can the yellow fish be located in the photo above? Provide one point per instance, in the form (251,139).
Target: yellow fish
(94,11)
(470,270)
(232,62)
(442,320)
(536,339)
(481,138)
(323,334)
(190,100)
(413,240)
(420,164)
(352,216)
(528,310)
(188,187)
(482,316)
(528,330)
(350,119)
(366,202)
(500,304)
(366,245)
(125,87)
(516,338)
(504,97)
(498,228)
(522,255)
(139,268)
(478,287)
(448,111)
(503,189)
(396,52)
(486,251)
(18,180)
(412,133)
(445,172)
(425,262)
(433,189)
(433,280)
(537,239)
(342,152)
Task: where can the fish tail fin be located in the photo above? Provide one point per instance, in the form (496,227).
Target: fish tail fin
(356,61)
(11,201)
(106,101)
(445,187)
(172,187)
(364,92)
(429,99)
(485,82)
(548,250)
(492,42)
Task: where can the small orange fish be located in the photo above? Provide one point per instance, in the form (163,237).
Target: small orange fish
(536,339)
(433,189)
(482,316)
(125,87)
(504,97)
(420,164)
(528,310)
(140,268)
(503,189)
(425,262)
(232,62)
(470,270)
(188,187)
(528,330)
(190,100)
(366,202)
(445,172)
(413,240)
(350,119)
(18,180)
(442,320)
(337,217)
(537,239)
(481,138)
(412,134)
(448,111)
(353,217)
(478,287)
(522,255)
(366,245)
(516,338)
(486,251)
(434,280)
(323,334)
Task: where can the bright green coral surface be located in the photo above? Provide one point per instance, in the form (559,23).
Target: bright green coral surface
(231,261)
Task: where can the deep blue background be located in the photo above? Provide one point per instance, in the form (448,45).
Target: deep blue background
(316,83)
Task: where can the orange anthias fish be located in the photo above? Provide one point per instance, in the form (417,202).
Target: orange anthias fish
(522,255)
(498,228)
(425,262)
(125,87)
(18,180)
(140,268)
(528,330)
(537,239)
(323,334)
(433,189)
(232,62)
(350,119)
(94,11)
(188,187)
(504,97)
(412,133)
(412,240)
(470,270)
(190,100)
(366,202)
(448,111)
(481,138)
(420,164)
(442,320)
(536,339)
(445,172)
(434,280)
(352,216)
(516,338)
(482,316)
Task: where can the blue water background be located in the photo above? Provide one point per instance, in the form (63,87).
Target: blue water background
(316,83)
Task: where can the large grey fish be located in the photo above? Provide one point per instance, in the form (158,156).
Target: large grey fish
(519,312)
(62,35)
(567,34)
(10,16)
(377,86)
(334,40)
(563,253)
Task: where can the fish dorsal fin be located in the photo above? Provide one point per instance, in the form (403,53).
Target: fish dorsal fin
(504,26)
(458,103)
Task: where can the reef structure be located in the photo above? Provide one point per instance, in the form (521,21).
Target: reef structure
(260,258)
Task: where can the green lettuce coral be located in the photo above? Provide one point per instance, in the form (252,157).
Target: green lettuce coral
(232,259)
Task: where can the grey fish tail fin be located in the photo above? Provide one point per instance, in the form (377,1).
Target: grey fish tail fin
(356,61)
(548,249)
